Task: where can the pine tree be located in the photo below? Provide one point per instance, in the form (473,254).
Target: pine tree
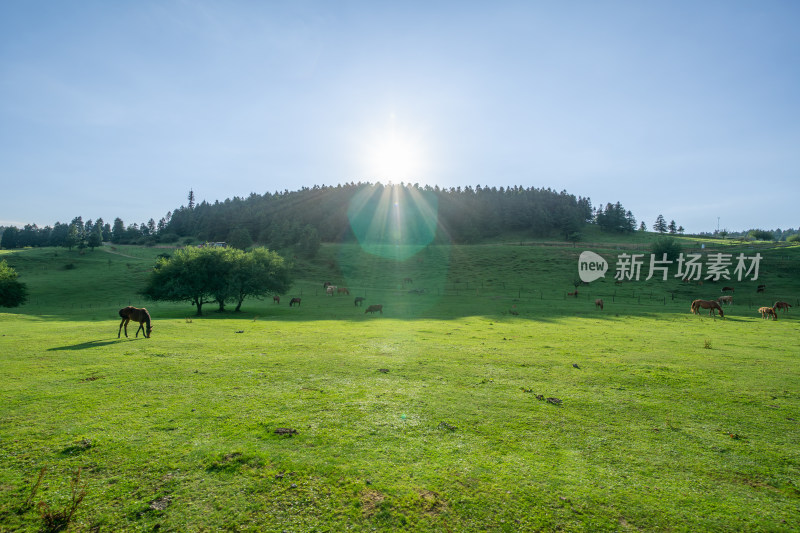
(660,225)
(673,228)
(191,199)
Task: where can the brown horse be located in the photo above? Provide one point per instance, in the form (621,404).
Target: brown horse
(781,305)
(725,299)
(725,289)
(711,305)
(598,303)
(343,290)
(767,312)
(373,308)
(358,301)
(575,294)
(137,315)
(294,301)
(276,299)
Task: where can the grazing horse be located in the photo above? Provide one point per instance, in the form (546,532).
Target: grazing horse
(330,290)
(711,305)
(725,299)
(137,315)
(726,289)
(761,288)
(407,280)
(575,294)
(359,301)
(598,303)
(343,290)
(294,301)
(373,308)
(781,305)
(766,312)
(276,299)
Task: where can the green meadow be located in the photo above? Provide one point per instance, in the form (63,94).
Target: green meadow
(484,398)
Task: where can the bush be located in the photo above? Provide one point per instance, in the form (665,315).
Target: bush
(793,238)
(666,245)
(761,235)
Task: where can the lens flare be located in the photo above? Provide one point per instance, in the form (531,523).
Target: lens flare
(393,221)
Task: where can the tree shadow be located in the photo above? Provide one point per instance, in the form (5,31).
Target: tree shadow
(84,345)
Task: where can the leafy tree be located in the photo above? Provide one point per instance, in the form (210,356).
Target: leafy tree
(680,230)
(9,239)
(642,227)
(672,227)
(257,273)
(660,225)
(187,276)
(118,231)
(73,237)
(240,238)
(12,292)
(96,237)
(207,275)
(761,235)
(58,237)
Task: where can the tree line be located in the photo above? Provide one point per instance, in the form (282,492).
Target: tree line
(304,218)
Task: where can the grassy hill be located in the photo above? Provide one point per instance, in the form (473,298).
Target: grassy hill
(484,398)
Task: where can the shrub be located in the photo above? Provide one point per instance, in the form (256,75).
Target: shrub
(666,245)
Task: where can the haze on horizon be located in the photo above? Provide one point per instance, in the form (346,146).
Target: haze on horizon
(685,109)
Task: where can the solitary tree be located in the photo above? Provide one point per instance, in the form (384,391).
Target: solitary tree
(12,292)
(660,225)
(673,228)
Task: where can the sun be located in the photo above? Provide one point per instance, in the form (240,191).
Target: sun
(394,154)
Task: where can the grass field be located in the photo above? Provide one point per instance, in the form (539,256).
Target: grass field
(486,399)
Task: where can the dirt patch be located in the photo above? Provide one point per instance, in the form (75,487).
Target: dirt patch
(432,502)
(370,501)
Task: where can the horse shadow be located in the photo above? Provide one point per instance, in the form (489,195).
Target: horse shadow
(84,345)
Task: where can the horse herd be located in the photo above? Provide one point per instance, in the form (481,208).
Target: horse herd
(142,317)
(714,306)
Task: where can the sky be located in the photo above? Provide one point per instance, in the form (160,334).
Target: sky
(688,109)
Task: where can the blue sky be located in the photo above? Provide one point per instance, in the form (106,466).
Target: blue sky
(118,109)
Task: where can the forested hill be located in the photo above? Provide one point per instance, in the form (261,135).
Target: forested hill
(461,215)
(304,218)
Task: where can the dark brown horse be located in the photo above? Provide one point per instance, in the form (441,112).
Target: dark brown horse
(726,289)
(373,308)
(598,303)
(294,301)
(359,301)
(782,305)
(711,305)
(276,299)
(137,315)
